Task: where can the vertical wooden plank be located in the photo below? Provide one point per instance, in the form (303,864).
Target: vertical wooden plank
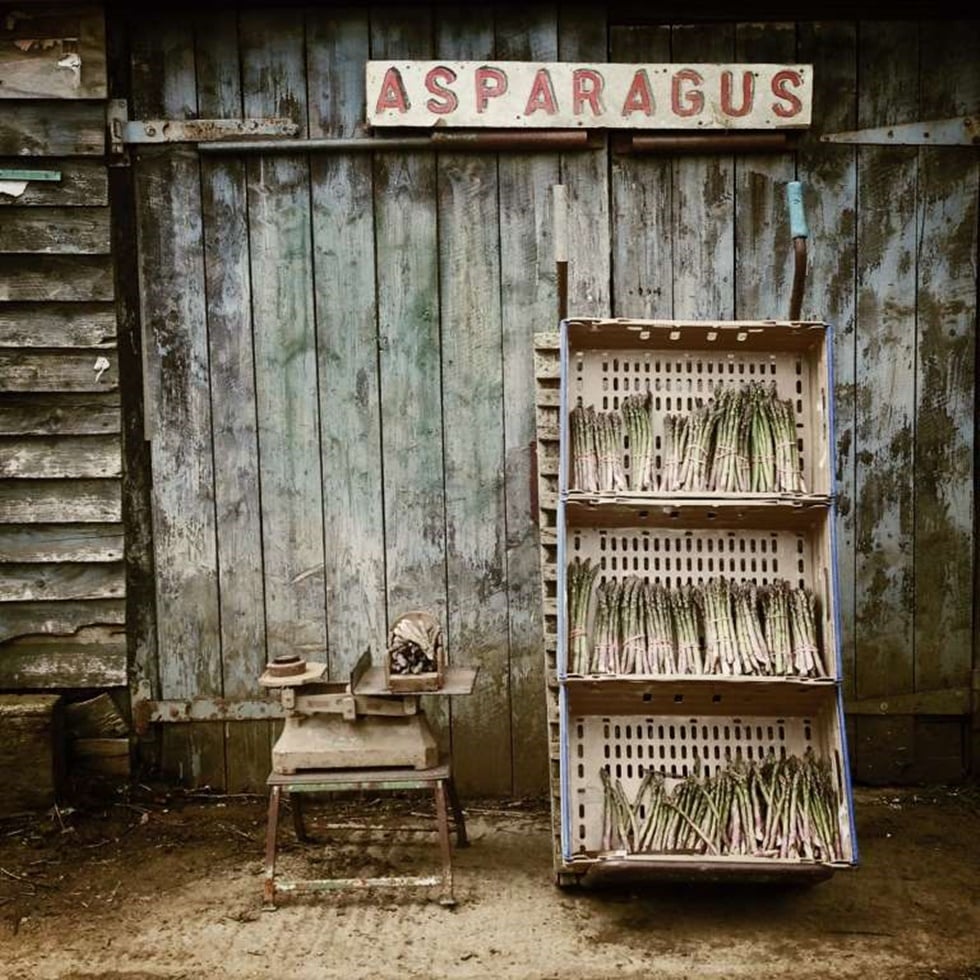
(274,84)
(885,382)
(177,400)
(582,36)
(528,304)
(642,253)
(945,381)
(347,341)
(763,247)
(409,346)
(703,200)
(829,171)
(236,461)
(472,382)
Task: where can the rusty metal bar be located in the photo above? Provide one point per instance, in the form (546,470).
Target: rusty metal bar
(720,143)
(490,142)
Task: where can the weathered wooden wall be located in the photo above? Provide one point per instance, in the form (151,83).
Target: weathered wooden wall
(339,385)
(62,584)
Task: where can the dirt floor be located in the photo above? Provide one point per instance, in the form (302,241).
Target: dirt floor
(168,885)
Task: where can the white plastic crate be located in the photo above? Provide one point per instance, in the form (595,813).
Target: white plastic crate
(676,548)
(682,365)
(627,746)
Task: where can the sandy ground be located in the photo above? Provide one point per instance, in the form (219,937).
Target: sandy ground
(168,885)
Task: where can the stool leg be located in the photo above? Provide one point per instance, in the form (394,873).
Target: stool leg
(299,825)
(271,833)
(461,838)
(442,819)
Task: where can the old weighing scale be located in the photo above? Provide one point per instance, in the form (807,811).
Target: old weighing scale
(368,732)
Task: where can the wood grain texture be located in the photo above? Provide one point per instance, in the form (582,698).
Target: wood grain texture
(703,200)
(338,43)
(60,278)
(55,371)
(68,501)
(31,758)
(62,618)
(469,289)
(830,196)
(582,36)
(50,129)
(50,52)
(410,366)
(61,582)
(233,405)
(274,84)
(763,247)
(172,286)
(83,183)
(59,414)
(61,543)
(57,325)
(55,231)
(66,663)
(642,245)
(885,366)
(527,300)
(945,381)
(60,456)
(408,325)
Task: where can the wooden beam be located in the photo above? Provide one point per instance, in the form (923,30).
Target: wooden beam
(83,182)
(61,456)
(51,501)
(952,701)
(57,324)
(61,582)
(58,371)
(51,129)
(30,756)
(31,618)
(61,543)
(54,231)
(62,664)
(60,414)
(71,278)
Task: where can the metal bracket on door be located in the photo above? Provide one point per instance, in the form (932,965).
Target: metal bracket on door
(124,131)
(959,131)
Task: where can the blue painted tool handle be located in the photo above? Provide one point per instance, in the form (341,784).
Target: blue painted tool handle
(797,219)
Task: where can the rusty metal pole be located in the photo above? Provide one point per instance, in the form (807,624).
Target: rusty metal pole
(561,248)
(798,230)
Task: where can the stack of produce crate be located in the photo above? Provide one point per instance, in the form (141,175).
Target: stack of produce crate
(691,613)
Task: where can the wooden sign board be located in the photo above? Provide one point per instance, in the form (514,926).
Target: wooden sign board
(519,94)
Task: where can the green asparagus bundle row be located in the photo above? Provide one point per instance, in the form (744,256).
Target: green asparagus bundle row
(777,808)
(714,627)
(743,440)
(597,450)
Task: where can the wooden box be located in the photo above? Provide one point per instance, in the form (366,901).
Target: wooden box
(422,683)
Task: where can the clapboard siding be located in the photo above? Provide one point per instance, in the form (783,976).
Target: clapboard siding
(57,371)
(61,538)
(57,325)
(83,183)
(40,543)
(55,230)
(50,129)
(49,51)
(59,413)
(340,374)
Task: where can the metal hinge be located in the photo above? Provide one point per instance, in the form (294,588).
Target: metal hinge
(124,131)
(959,131)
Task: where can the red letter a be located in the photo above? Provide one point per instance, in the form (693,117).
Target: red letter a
(392,94)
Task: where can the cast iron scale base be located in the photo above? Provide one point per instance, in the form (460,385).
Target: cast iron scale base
(357,735)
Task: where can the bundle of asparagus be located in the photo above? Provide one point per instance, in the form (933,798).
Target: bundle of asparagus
(714,627)
(639,432)
(581,578)
(777,808)
(597,450)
